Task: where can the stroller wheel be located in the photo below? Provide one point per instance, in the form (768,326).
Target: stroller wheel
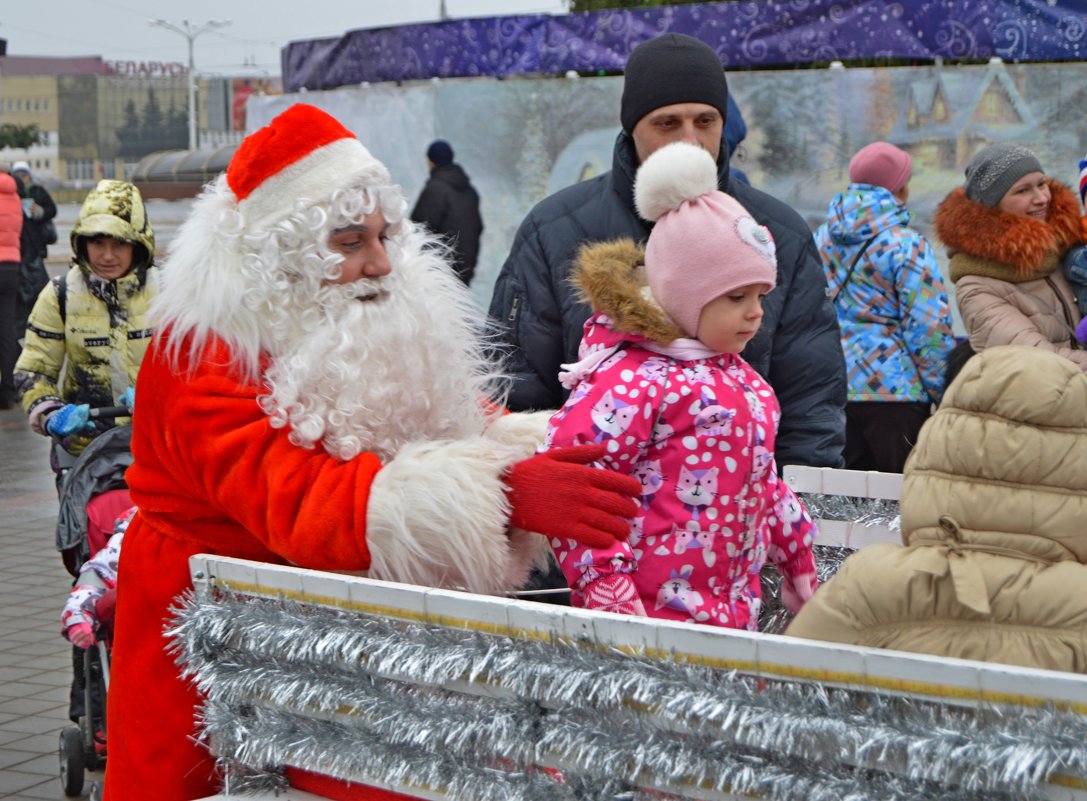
(71,760)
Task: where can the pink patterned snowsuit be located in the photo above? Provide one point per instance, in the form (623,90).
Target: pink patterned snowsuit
(699,434)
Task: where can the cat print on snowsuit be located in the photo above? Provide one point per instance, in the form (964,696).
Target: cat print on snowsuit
(648,472)
(692,537)
(713,420)
(611,417)
(654,369)
(676,593)
(696,489)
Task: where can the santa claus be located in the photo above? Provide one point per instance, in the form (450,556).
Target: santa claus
(317,393)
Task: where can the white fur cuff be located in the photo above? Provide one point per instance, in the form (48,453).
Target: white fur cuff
(438,517)
(524,431)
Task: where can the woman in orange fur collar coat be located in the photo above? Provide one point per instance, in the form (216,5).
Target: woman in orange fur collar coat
(1006,231)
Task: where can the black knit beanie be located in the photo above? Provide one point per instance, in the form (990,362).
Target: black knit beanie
(672,68)
(440,153)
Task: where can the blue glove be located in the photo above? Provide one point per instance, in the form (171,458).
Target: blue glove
(128,400)
(70,419)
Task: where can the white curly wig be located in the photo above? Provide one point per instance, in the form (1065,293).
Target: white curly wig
(406,366)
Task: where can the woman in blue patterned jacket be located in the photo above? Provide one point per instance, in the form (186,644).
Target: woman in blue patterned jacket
(892,307)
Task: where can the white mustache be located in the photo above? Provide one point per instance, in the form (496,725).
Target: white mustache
(362,289)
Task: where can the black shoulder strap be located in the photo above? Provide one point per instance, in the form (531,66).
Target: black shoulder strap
(60,286)
(852,267)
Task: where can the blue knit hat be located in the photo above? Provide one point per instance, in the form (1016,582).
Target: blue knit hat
(440,152)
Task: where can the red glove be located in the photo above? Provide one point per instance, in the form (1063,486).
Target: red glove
(81,635)
(557,494)
(797,590)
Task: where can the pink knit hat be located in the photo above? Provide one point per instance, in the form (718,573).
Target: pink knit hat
(704,243)
(881,164)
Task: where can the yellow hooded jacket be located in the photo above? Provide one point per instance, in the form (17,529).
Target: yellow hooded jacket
(100,340)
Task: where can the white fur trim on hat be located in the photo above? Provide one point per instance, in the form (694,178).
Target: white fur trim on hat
(339,164)
(673,174)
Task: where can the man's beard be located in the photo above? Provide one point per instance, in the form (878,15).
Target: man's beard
(378,363)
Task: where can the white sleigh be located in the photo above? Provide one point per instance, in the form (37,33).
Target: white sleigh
(438,694)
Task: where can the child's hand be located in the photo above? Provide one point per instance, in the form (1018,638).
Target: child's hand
(796,590)
(81,635)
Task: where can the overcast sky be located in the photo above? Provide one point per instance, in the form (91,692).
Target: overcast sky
(117,30)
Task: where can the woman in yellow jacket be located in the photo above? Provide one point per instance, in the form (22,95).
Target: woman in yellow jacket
(91,323)
(994,499)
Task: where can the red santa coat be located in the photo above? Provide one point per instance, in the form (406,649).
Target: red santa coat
(211,475)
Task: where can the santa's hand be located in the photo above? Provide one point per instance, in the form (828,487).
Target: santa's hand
(557,494)
(81,635)
(797,590)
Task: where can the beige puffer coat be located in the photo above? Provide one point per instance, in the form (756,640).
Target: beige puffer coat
(994,517)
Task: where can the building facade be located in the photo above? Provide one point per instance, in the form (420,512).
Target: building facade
(99,118)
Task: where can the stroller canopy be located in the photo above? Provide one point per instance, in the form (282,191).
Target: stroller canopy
(100,468)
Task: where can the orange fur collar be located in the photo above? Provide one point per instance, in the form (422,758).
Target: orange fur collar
(1021,242)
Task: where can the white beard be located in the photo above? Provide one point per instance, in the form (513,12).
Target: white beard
(373,375)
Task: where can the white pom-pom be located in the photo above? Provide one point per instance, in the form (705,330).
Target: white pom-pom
(671,175)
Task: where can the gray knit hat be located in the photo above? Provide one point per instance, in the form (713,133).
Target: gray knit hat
(993,170)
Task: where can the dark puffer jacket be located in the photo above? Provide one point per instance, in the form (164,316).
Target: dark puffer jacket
(449,206)
(797,348)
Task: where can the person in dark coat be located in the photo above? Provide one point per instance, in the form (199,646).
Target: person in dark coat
(674,89)
(735,133)
(39,208)
(449,206)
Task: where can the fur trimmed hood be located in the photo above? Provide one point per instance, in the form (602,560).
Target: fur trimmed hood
(610,276)
(994,240)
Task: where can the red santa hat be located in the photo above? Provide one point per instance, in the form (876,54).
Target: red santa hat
(303,153)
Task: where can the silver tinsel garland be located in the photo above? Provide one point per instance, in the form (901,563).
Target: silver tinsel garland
(482,716)
(858,511)
(864,512)
(774,618)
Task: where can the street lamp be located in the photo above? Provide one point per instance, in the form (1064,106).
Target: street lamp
(190,32)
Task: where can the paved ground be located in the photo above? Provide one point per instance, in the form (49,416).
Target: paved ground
(35,663)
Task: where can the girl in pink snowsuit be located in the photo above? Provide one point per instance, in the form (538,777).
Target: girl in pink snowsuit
(661,384)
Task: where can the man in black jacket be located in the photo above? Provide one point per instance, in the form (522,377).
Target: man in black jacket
(449,206)
(674,89)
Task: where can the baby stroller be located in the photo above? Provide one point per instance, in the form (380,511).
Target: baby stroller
(82,746)
(93,494)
